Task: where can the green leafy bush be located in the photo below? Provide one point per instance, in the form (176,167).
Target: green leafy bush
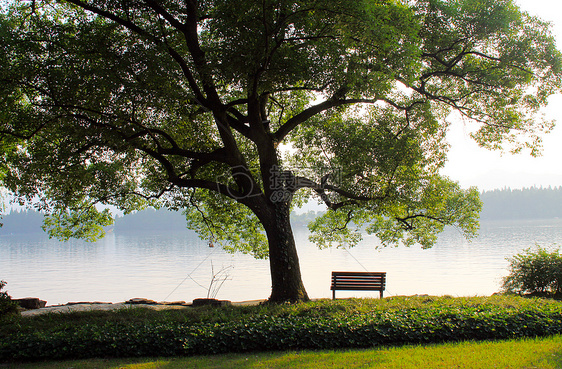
(7,306)
(537,271)
(315,325)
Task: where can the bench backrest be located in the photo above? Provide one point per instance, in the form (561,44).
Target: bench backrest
(358,281)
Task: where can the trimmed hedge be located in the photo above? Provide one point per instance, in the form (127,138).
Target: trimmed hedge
(314,328)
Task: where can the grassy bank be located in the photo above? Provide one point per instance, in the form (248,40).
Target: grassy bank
(320,325)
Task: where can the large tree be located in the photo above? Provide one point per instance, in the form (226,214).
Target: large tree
(235,111)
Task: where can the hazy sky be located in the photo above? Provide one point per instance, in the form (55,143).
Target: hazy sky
(473,166)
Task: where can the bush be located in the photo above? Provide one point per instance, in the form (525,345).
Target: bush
(7,306)
(314,325)
(536,271)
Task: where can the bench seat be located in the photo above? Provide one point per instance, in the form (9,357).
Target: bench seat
(358,281)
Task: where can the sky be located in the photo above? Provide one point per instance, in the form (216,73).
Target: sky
(471,165)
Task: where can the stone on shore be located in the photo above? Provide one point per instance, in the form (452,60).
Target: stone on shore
(140,300)
(31,303)
(210,302)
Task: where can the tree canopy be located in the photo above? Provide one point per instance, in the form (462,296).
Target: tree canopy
(235,111)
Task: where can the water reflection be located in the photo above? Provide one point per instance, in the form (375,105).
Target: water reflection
(177,266)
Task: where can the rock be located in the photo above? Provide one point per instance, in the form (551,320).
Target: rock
(30,303)
(180,303)
(138,300)
(210,302)
(88,303)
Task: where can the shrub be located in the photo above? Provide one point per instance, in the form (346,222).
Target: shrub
(314,325)
(536,271)
(7,306)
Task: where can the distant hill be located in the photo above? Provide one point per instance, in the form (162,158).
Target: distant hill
(21,221)
(506,204)
(526,203)
(30,221)
(302,220)
(151,220)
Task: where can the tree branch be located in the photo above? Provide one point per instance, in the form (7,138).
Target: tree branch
(126,23)
(320,189)
(217,155)
(308,113)
(140,31)
(409,226)
(166,15)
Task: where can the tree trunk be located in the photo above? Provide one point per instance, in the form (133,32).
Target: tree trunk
(286,282)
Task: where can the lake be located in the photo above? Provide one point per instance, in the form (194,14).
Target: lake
(179,266)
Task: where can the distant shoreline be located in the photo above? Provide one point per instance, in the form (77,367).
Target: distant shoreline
(527,204)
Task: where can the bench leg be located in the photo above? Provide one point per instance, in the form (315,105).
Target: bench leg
(333,294)
(381,293)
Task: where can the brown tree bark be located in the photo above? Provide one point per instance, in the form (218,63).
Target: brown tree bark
(284,264)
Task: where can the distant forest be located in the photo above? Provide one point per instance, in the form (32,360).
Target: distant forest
(149,220)
(526,203)
(504,204)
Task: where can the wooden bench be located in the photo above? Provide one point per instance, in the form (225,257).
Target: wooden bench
(358,281)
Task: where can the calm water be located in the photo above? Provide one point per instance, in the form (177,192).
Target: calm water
(179,266)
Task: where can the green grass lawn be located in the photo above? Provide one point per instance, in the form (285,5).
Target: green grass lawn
(524,353)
